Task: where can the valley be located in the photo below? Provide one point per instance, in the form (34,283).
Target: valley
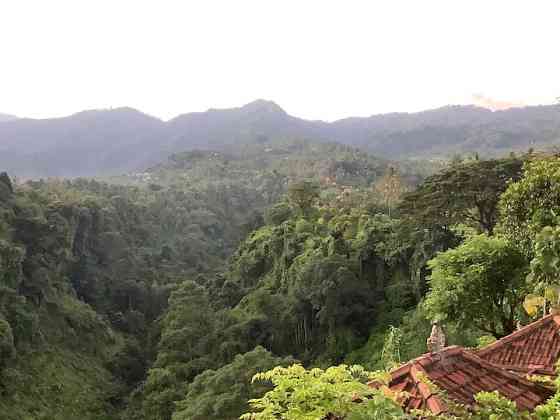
(158,293)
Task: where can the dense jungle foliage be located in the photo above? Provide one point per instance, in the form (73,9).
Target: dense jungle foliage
(166,294)
(498,275)
(87,267)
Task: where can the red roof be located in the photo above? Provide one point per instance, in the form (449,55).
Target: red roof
(461,374)
(533,349)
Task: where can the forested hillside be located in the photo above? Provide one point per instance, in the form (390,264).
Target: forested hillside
(88,267)
(55,347)
(284,160)
(160,294)
(120,140)
(324,281)
(296,210)
(501,271)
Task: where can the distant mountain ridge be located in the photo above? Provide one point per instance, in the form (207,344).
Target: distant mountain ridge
(7,117)
(124,139)
(86,143)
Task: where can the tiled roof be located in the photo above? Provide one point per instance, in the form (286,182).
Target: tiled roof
(461,374)
(532,349)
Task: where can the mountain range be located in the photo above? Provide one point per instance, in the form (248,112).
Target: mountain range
(105,142)
(7,117)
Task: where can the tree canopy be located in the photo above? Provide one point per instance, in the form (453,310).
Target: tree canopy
(532,203)
(481,282)
(467,192)
(177,287)
(301,394)
(223,394)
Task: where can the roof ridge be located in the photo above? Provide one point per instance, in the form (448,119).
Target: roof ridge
(520,333)
(529,370)
(406,367)
(472,356)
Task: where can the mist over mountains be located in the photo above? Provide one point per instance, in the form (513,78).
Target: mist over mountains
(124,139)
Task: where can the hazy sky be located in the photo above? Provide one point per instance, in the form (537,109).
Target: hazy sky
(317,59)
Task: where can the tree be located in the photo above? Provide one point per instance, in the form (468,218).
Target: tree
(222,394)
(390,187)
(545,266)
(278,213)
(182,350)
(6,188)
(466,192)
(302,195)
(391,354)
(340,304)
(480,283)
(337,392)
(7,349)
(129,363)
(544,278)
(532,203)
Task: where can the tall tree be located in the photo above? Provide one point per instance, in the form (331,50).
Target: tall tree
(6,188)
(182,350)
(532,203)
(468,191)
(223,394)
(481,284)
(390,187)
(302,195)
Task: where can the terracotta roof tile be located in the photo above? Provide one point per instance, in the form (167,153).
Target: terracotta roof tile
(533,349)
(461,374)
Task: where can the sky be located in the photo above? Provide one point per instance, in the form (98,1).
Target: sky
(317,59)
